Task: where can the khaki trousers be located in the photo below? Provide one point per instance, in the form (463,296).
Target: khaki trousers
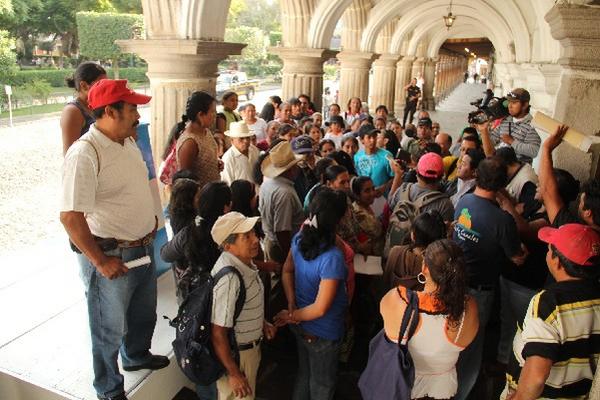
(249,362)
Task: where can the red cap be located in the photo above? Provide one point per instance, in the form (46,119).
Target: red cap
(109,91)
(430,165)
(577,242)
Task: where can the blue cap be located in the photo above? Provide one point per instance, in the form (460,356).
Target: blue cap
(302,144)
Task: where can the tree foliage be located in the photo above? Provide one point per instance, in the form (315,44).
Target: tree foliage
(98,32)
(8,58)
(256,23)
(25,19)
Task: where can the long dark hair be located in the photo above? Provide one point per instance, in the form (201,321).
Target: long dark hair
(201,251)
(343,158)
(242,193)
(86,72)
(182,209)
(446,264)
(326,210)
(200,101)
(428,227)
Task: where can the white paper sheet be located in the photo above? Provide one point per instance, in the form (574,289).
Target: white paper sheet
(370,266)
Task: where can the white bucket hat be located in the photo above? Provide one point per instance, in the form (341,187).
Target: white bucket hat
(238,130)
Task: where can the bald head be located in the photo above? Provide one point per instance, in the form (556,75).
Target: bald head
(445,141)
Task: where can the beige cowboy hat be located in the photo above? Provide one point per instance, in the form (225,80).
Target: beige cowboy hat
(238,130)
(280,159)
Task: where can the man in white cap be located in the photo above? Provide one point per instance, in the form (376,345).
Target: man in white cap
(235,234)
(240,158)
(279,205)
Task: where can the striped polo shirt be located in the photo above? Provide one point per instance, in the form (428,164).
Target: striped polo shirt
(527,140)
(249,324)
(562,324)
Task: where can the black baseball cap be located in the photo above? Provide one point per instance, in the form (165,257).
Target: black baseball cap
(425,121)
(518,94)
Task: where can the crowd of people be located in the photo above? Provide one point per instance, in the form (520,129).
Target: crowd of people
(299,202)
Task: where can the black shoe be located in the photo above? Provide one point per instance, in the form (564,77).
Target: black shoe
(156,362)
(116,397)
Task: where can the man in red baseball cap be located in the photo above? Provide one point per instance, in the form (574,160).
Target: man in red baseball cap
(556,349)
(107,210)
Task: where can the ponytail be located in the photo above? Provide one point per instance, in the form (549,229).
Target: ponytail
(445,261)
(318,235)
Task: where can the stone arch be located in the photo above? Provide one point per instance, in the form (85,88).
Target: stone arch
(354,20)
(486,14)
(296,18)
(501,32)
(438,30)
(322,24)
(203,19)
(436,41)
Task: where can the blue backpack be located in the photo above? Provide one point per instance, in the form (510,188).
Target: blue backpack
(192,345)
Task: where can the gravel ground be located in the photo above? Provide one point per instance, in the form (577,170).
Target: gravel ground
(30,161)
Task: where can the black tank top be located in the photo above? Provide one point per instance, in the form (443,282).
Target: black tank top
(89,118)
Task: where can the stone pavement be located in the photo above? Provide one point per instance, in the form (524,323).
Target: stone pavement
(452,112)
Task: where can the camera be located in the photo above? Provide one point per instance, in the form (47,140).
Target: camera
(496,108)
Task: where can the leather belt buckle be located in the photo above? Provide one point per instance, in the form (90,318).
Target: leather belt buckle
(309,338)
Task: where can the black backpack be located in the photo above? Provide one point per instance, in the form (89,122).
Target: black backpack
(192,345)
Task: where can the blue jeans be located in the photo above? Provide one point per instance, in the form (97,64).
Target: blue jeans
(469,361)
(514,300)
(208,392)
(122,317)
(317,367)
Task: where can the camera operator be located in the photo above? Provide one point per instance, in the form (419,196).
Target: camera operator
(515,130)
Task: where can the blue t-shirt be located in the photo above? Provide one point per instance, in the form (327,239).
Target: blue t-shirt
(488,237)
(375,166)
(308,276)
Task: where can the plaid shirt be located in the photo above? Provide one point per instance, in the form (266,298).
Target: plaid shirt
(526,139)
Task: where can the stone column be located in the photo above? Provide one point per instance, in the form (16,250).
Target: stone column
(403,77)
(418,67)
(176,68)
(384,79)
(576,28)
(303,72)
(442,78)
(354,75)
(428,101)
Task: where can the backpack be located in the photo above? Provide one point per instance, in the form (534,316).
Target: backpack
(404,214)
(192,345)
(390,371)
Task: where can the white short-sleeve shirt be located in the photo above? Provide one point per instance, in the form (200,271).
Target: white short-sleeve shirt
(259,128)
(110,187)
(237,165)
(249,324)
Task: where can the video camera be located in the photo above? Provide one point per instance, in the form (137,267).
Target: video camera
(496,108)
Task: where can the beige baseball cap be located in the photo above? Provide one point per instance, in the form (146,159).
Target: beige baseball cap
(230,223)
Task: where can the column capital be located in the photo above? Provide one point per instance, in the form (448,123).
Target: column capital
(181,58)
(387,60)
(304,53)
(576,28)
(356,59)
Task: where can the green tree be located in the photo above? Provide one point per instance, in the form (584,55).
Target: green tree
(98,32)
(8,57)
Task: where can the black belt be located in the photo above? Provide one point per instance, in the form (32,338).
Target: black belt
(248,346)
(483,287)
